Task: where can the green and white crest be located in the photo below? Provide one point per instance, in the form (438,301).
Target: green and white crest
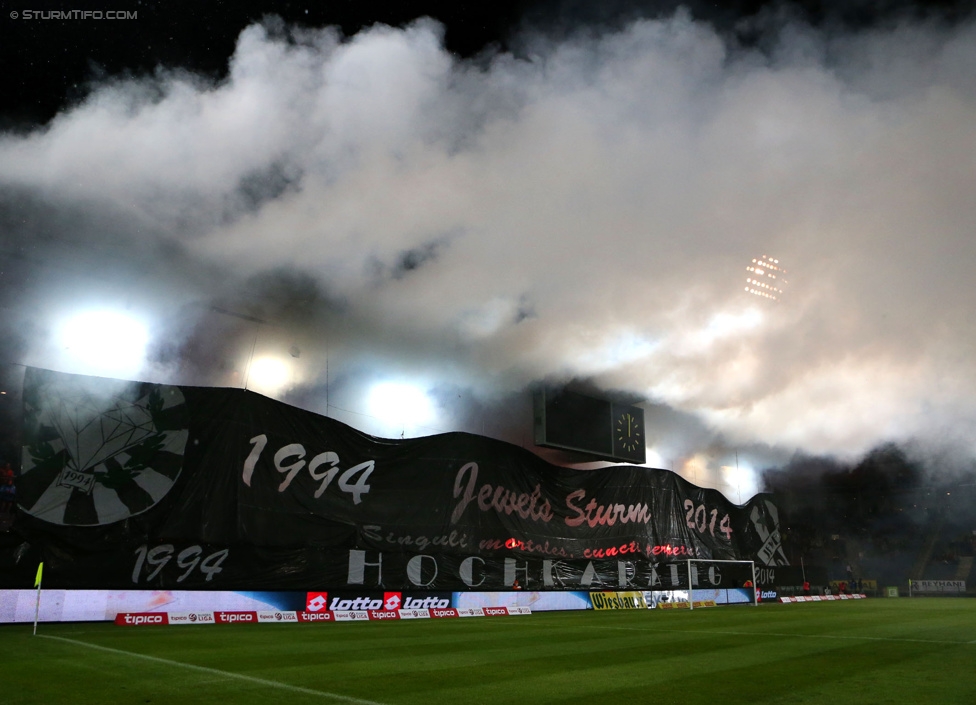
(98,451)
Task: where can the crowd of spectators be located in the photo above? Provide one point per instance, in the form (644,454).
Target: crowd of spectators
(8,497)
(886,516)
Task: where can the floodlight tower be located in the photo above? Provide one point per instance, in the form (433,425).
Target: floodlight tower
(766,278)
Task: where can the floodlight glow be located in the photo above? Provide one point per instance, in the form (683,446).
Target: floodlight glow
(397,403)
(620,348)
(653,459)
(723,324)
(268,375)
(742,479)
(104,342)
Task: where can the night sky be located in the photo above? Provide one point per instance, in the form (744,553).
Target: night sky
(51,64)
(470,200)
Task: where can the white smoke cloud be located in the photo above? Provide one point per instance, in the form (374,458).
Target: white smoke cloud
(588,211)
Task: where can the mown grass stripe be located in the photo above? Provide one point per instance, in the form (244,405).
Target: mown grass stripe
(216,672)
(789,636)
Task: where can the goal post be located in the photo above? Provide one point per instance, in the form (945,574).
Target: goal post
(748,568)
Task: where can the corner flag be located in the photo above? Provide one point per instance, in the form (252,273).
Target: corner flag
(37,584)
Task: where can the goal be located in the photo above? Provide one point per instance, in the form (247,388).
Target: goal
(704,573)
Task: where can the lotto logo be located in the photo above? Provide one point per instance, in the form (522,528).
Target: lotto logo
(426,603)
(316,601)
(392,600)
(355,604)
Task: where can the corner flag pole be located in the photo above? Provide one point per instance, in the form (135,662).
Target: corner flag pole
(37,584)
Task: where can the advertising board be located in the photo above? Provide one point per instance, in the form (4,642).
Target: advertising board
(178,618)
(141,619)
(618,600)
(952,587)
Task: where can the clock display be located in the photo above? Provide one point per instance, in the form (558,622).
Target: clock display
(628,433)
(598,427)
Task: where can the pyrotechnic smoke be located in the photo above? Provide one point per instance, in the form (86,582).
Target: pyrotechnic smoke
(586,209)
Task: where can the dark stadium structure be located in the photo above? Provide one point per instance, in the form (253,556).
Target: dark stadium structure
(883,521)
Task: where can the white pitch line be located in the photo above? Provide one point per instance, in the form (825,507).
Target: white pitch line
(792,636)
(217,672)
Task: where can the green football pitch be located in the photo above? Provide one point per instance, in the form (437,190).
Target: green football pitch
(865,651)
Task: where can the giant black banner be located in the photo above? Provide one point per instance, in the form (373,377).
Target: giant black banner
(142,485)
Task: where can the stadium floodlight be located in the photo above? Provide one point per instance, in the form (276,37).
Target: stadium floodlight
(400,404)
(654,459)
(105,342)
(268,375)
(766,278)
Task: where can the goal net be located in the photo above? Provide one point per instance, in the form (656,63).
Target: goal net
(707,578)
